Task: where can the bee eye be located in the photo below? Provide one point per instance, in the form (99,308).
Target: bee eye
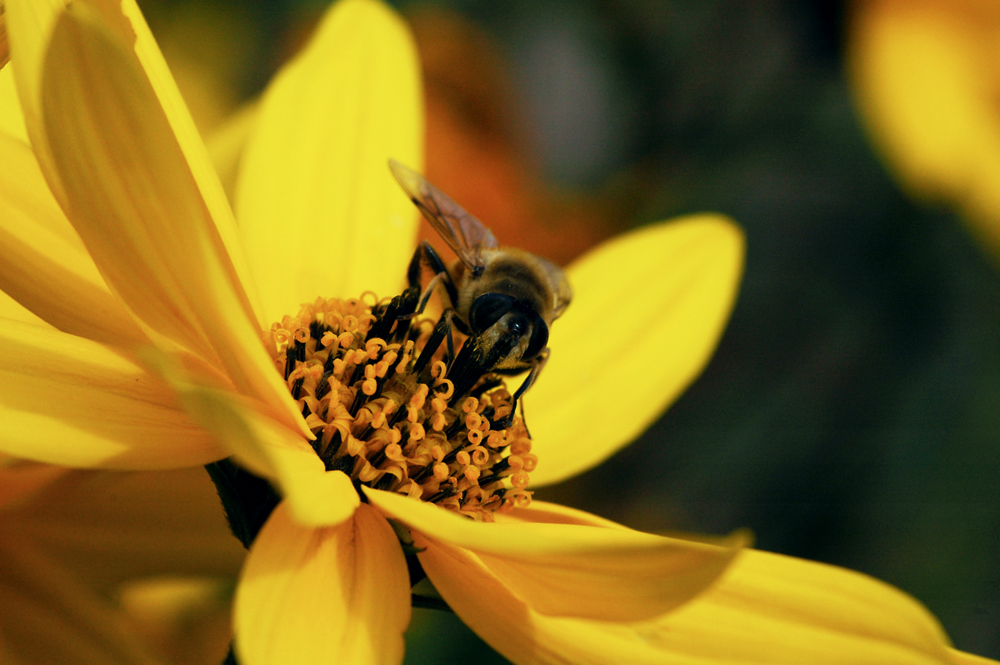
(517,325)
(487,310)
(539,338)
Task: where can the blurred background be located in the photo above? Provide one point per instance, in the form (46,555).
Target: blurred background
(851,414)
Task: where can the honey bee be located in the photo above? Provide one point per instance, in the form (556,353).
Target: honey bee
(503,298)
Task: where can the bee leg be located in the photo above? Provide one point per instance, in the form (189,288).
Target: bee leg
(423,299)
(425,296)
(426,256)
(454,322)
(449,359)
(441,332)
(536,368)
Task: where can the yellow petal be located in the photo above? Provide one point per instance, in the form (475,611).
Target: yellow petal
(11,118)
(647,311)
(226,143)
(338,594)
(769,608)
(50,617)
(29,27)
(917,73)
(962,658)
(924,75)
(136,204)
(543,512)
(571,570)
(67,400)
(31,23)
(317,497)
(520,633)
(188,615)
(107,527)
(43,263)
(11,309)
(195,152)
(317,206)
(785,618)
(777,579)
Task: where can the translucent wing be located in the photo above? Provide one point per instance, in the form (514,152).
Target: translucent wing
(464,233)
(563,292)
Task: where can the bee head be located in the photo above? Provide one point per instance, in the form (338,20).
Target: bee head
(521,321)
(487,309)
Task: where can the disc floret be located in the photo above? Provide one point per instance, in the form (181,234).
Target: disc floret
(373,384)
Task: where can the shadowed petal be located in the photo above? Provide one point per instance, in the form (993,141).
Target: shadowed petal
(11,309)
(317,206)
(19,479)
(43,263)
(570,570)
(68,400)
(50,617)
(337,594)
(139,210)
(107,527)
(647,312)
(4,46)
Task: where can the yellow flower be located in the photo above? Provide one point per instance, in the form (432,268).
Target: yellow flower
(147,353)
(69,538)
(925,75)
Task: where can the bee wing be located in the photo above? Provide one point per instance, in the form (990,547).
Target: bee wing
(464,233)
(563,291)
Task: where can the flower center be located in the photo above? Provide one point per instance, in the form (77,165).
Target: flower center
(375,387)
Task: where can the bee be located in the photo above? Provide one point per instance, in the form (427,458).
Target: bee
(503,298)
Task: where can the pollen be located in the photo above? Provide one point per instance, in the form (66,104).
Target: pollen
(372,381)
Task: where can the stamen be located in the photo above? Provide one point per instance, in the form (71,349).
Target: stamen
(375,386)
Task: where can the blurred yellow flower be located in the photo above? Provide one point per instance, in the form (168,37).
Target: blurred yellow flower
(69,538)
(926,75)
(152,303)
